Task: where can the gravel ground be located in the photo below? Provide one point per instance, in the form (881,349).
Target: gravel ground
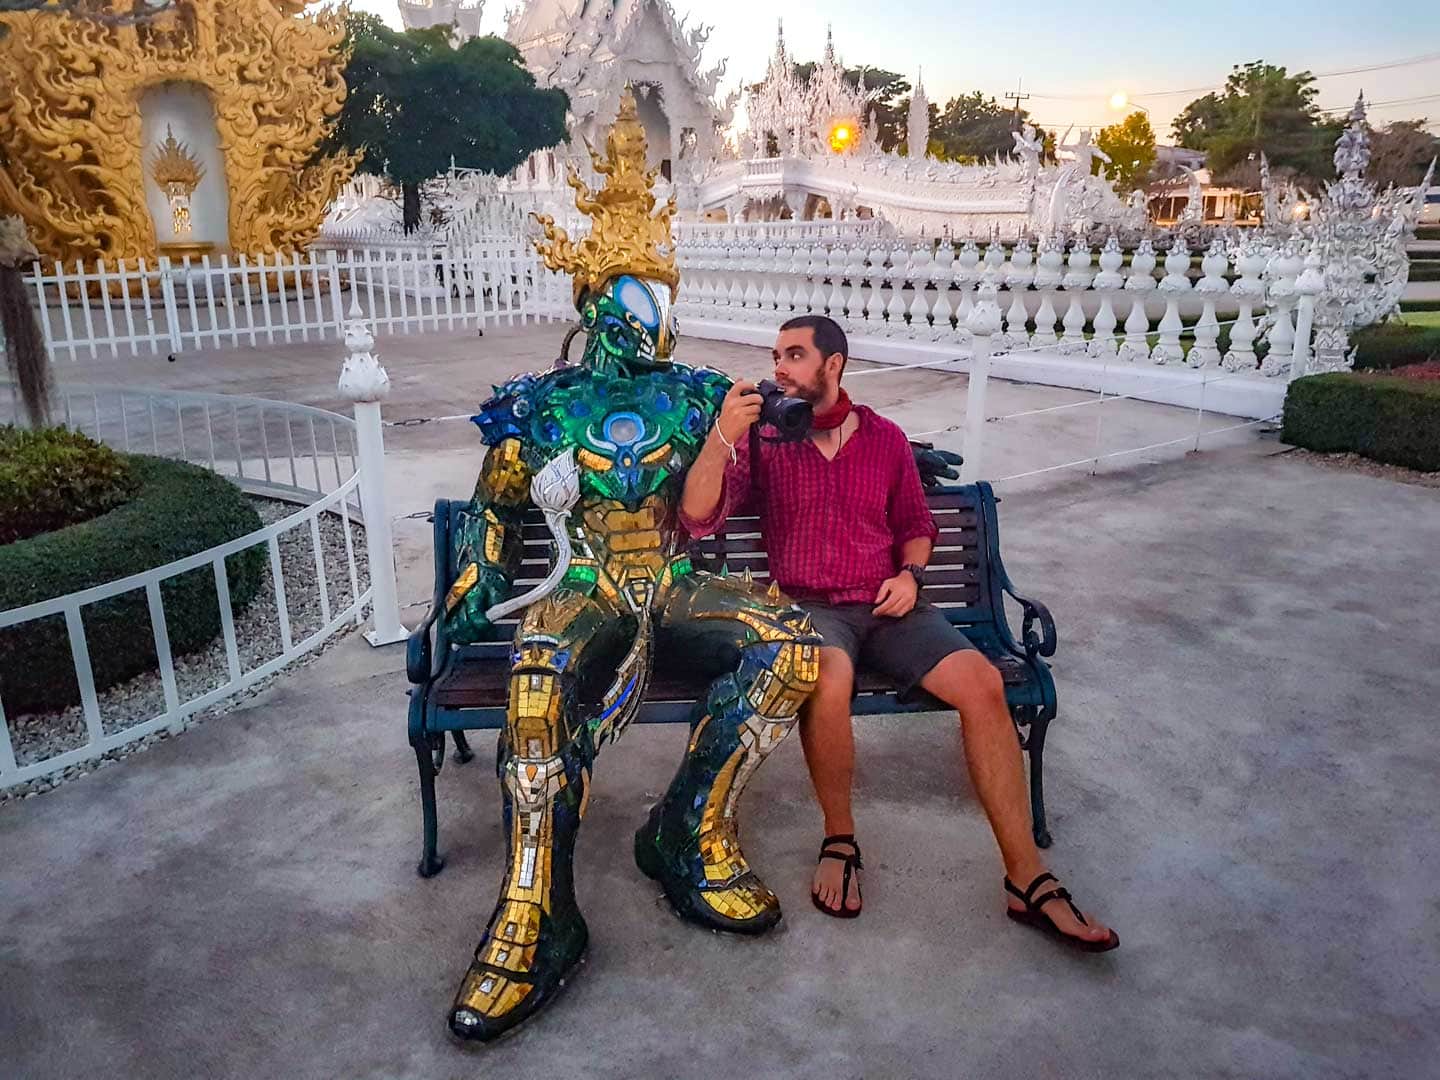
(37,736)
(1356,463)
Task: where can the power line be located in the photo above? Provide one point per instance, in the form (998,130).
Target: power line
(1385,104)
(1424,58)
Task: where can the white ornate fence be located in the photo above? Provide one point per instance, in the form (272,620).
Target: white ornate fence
(171,307)
(267,447)
(1075,319)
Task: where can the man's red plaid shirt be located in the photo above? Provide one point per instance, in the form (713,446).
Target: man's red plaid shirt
(833,529)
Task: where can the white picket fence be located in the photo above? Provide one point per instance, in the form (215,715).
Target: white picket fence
(268,447)
(173,307)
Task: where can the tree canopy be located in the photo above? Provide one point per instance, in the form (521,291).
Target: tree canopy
(417,102)
(1131,146)
(1400,153)
(1263,108)
(972,127)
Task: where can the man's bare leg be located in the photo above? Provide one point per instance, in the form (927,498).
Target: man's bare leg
(970,683)
(829,744)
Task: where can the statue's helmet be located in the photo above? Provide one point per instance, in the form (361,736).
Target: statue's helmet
(624,271)
(633,318)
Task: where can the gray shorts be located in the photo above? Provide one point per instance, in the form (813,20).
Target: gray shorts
(903,650)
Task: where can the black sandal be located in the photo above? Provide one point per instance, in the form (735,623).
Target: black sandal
(852,862)
(1034,916)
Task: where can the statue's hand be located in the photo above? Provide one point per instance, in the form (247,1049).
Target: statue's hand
(934,465)
(466,622)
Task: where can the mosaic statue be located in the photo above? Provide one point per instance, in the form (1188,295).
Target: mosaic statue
(601,448)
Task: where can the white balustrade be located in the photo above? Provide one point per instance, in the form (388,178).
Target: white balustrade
(1205,352)
(1248,290)
(1284,269)
(1173,286)
(1139,283)
(1107,282)
(1076,281)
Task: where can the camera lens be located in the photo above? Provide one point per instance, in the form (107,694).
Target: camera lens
(791,417)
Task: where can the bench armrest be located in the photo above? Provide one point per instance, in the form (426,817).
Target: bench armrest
(418,663)
(1043,643)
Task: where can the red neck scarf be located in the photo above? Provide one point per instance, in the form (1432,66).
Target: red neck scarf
(833,417)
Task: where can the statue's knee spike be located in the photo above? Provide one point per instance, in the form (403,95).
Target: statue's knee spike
(773,593)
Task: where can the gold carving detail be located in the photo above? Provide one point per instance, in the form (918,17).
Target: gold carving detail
(72,163)
(628,235)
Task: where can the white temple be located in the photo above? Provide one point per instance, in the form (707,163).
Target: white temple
(463,15)
(810,150)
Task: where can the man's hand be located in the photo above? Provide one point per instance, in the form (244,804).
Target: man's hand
(739,411)
(896,596)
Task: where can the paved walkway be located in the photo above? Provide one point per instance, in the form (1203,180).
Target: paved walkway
(1240,781)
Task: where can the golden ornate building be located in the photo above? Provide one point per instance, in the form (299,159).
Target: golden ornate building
(86,108)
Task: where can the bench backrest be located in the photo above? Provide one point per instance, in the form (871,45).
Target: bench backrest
(960,579)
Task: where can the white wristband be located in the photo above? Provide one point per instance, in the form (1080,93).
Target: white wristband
(728,444)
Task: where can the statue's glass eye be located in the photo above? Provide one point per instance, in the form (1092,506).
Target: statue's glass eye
(634,296)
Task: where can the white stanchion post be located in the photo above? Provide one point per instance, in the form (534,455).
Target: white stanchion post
(364,382)
(983,322)
(1310,285)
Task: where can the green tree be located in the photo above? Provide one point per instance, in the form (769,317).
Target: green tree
(1131,146)
(972,127)
(1265,109)
(1400,153)
(417,102)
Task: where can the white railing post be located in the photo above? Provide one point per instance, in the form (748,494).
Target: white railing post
(364,382)
(982,322)
(1310,285)
(172,309)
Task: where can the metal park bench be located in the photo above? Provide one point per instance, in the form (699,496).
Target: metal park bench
(465,688)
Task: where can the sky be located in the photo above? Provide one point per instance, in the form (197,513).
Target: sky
(1071,57)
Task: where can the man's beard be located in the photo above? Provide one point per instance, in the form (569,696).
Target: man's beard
(812,392)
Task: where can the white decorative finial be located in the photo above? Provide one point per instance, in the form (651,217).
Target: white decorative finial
(361,377)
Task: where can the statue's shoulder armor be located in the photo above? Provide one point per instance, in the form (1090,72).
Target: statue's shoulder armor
(509,411)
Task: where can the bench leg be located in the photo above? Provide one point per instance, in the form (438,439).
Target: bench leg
(463,753)
(430,862)
(1035,745)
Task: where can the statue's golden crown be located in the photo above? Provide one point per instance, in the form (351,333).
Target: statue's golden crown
(628,235)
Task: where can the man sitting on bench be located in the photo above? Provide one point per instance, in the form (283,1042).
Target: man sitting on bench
(848,533)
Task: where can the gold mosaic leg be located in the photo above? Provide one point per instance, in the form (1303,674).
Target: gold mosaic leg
(536,934)
(691,842)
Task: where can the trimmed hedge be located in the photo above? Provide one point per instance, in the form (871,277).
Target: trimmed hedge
(1419,305)
(1395,344)
(55,477)
(1386,418)
(178,510)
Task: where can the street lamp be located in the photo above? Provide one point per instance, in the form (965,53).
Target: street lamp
(1120,101)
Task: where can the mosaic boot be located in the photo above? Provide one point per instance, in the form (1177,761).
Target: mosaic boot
(691,842)
(536,935)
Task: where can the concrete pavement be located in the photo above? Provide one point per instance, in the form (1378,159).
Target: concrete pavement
(1240,781)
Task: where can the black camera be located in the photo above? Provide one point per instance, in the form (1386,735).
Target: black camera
(791,417)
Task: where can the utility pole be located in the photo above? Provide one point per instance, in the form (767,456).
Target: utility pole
(1016,96)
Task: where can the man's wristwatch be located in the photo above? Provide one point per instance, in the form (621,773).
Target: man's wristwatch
(917,572)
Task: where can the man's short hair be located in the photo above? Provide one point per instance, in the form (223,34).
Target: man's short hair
(829,338)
